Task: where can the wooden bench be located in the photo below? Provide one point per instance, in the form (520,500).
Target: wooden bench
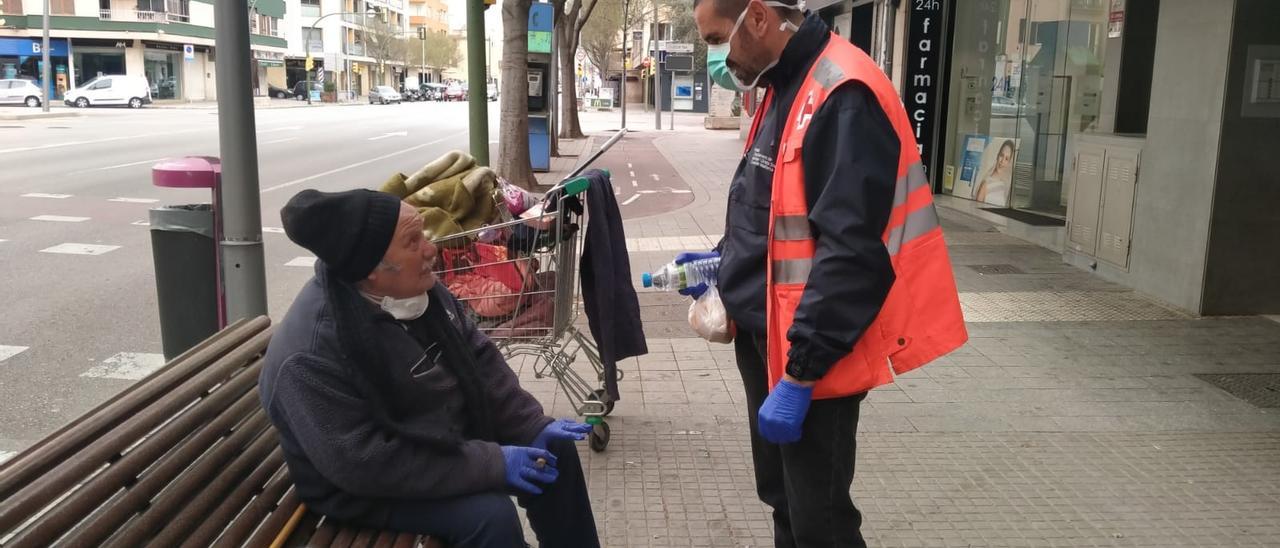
(185,457)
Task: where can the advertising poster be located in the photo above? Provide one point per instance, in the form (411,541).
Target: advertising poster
(970,161)
(994,181)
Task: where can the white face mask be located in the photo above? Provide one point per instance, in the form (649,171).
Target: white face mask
(726,47)
(406,309)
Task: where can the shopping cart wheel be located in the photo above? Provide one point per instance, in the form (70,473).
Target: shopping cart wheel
(603,396)
(600,437)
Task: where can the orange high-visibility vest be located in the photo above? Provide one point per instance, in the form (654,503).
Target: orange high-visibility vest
(921,318)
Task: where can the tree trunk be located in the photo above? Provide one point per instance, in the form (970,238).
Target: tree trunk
(513,132)
(567,44)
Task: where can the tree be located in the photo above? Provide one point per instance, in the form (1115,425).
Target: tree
(383,42)
(602,37)
(441,51)
(513,130)
(569,24)
(683,29)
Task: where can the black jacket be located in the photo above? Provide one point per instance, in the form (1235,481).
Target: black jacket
(344,463)
(850,157)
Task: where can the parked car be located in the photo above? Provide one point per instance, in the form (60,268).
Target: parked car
(433,92)
(18,91)
(300,89)
(278,92)
(383,95)
(455,93)
(133,91)
(493,91)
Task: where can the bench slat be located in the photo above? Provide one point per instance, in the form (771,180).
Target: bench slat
(346,536)
(182,489)
(306,530)
(233,504)
(324,535)
(218,489)
(276,521)
(255,511)
(39,493)
(61,445)
(211,411)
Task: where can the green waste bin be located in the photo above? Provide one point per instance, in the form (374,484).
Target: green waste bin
(184,251)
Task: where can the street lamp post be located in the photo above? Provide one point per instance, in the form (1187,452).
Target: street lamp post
(46,74)
(372,11)
(626,32)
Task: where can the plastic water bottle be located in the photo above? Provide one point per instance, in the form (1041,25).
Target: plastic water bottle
(674,277)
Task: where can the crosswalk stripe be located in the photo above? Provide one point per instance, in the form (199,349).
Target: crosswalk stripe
(7,352)
(302,262)
(49,196)
(80,249)
(59,219)
(134,200)
(126,366)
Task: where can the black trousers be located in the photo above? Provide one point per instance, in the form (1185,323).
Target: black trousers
(806,483)
(561,516)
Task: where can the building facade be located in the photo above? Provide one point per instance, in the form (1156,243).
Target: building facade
(347,39)
(170,42)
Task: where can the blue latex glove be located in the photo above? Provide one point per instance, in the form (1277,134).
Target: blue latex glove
(697,290)
(523,468)
(562,429)
(782,415)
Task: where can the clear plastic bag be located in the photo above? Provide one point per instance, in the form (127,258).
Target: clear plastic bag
(709,319)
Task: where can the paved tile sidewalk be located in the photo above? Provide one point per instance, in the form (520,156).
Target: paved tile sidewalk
(1072,418)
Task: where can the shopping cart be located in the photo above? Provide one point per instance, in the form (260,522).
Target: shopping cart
(519,281)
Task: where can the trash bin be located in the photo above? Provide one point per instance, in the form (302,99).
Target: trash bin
(185,254)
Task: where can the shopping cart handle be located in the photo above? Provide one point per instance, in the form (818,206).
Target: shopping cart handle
(576,186)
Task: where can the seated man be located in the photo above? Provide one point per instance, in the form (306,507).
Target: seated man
(394,411)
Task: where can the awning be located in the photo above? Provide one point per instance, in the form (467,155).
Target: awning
(272,8)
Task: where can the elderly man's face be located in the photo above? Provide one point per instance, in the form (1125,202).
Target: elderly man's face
(406,268)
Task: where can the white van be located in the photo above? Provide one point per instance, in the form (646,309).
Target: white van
(111,90)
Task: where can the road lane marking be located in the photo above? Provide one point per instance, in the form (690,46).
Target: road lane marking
(631,199)
(141,223)
(305,262)
(361,163)
(118,166)
(80,249)
(274,130)
(655,176)
(285,140)
(6,455)
(635,182)
(272,230)
(3,241)
(682,192)
(48,196)
(105,140)
(59,219)
(126,366)
(7,352)
(134,200)
(388,135)
(629,166)
(633,174)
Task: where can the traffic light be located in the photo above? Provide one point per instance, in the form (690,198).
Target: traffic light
(311,62)
(422,33)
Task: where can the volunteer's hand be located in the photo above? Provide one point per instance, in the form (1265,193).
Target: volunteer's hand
(562,429)
(523,468)
(782,415)
(697,290)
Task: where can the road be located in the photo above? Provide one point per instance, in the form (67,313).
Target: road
(81,325)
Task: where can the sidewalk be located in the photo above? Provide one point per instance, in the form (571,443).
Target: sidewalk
(1080,413)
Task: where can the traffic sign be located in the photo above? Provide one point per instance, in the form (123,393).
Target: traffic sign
(675,47)
(189,52)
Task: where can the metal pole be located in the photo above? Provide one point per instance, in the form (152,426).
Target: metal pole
(307,90)
(657,74)
(476,93)
(46,75)
(626,37)
(243,270)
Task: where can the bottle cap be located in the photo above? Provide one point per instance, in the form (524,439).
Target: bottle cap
(646,279)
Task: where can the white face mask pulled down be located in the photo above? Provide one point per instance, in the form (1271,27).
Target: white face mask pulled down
(724,48)
(404,310)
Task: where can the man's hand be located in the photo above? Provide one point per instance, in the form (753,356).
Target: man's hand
(781,418)
(526,465)
(697,290)
(562,429)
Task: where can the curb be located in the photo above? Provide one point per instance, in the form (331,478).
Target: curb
(38,116)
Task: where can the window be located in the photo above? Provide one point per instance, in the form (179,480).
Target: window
(313,38)
(102,84)
(62,7)
(11,7)
(311,8)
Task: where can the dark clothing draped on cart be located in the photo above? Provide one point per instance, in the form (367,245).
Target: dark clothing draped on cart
(608,296)
(367,431)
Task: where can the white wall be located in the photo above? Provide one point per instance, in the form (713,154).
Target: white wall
(193,78)
(202,14)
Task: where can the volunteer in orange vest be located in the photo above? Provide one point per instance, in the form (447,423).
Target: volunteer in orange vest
(832,265)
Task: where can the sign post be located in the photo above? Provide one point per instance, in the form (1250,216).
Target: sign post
(922,80)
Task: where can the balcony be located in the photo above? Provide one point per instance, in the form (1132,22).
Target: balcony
(355,49)
(169,11)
